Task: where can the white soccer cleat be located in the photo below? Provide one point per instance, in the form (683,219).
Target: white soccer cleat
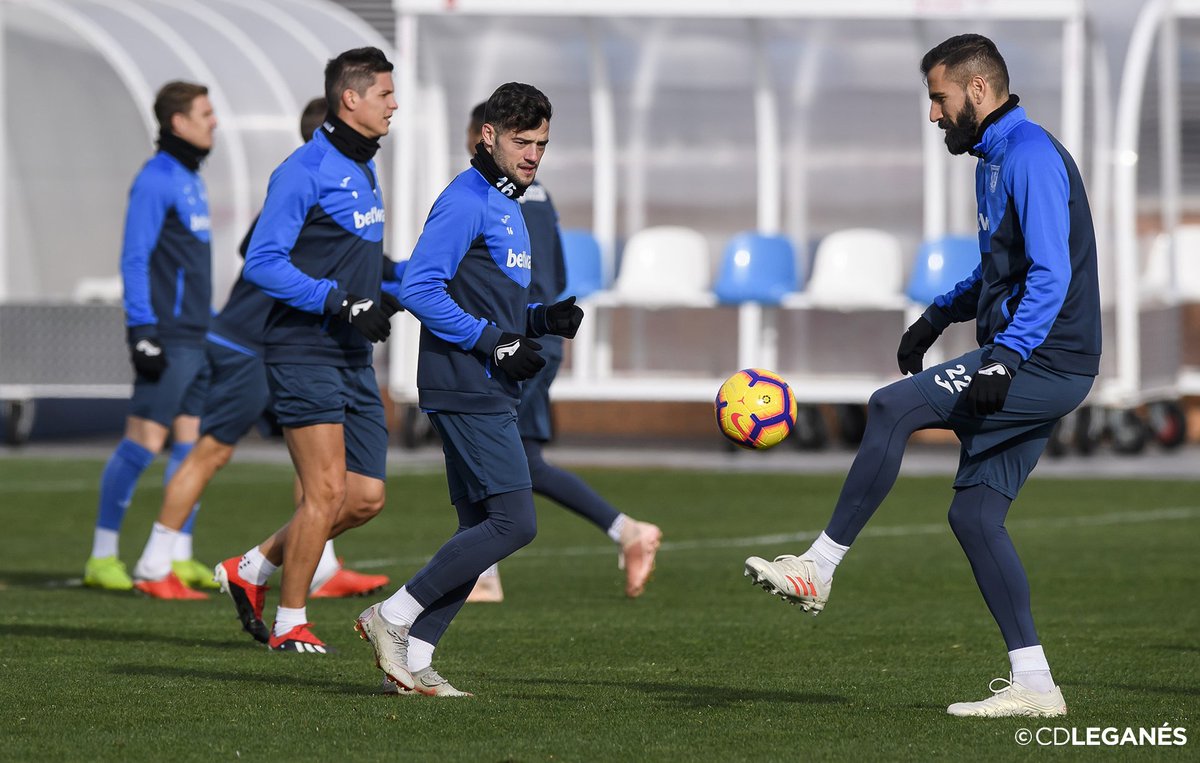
(793,578)
(430,683)
(391,687)
(390,643)
(1013,700)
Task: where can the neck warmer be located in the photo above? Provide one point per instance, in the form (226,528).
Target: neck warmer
(187,154)
(990,119)
(349,141)
(487,167)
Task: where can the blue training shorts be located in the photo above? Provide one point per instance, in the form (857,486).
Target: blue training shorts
(237,394)
(303,395)
(180,391)
(533,412)
(484,455)
(1001,450)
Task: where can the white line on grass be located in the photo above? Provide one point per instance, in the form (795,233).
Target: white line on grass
(895,531)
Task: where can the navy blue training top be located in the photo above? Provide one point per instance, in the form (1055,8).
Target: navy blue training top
(166,255)
(319,238)
(549,276)
(243,320)
(1035,294)
(467,282)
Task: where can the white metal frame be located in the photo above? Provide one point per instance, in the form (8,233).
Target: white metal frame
(1157,20)
(278,111)
(756,326)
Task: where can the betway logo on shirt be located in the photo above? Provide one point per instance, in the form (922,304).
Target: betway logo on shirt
(370,217)
(199,223)
(519,259)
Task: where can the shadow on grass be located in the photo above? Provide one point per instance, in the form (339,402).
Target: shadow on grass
(328,685)
(1182,691)
(687,695)
(1177,647)
(91,633)
(27,579)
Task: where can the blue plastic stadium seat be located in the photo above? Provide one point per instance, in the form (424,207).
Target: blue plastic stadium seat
(757,268)
(581,255)
(941,263)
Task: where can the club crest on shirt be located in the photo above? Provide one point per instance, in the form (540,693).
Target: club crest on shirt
(993,177)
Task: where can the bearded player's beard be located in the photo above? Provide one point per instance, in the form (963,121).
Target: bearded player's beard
(961,132)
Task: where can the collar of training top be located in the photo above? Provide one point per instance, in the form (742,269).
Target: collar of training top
(349,141)
(487,167)
(980,137)
(188,155)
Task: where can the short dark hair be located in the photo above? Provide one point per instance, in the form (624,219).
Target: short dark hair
(353,70)
(312,117)
(173,98)
(517,107)
(478,116)
(966,56)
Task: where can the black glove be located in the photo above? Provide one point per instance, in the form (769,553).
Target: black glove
(989,388)
(563,318)
(365,315)
(390,304)
(517,356)
(917,339)
(148,358)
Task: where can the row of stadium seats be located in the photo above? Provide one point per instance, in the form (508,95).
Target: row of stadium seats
(859,268)
(665,269)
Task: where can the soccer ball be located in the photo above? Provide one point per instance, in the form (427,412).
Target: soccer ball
(755,409)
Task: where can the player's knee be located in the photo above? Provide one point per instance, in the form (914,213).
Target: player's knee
(519,530)
(218,454)
(367,507)
(523,534)
(964,521)
(881,405)
(326,493)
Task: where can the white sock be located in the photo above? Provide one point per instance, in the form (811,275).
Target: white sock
(614,530)
(287,618)
(326,568)
(254,567)
(401,608)
(183,547)
(420,654)
(155,562)
(1030,669)
(104,543)
(491,572)
(827,554)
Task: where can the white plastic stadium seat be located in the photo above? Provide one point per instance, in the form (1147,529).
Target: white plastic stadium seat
(1156,281)
(104,290)
(665,266)
(855,269)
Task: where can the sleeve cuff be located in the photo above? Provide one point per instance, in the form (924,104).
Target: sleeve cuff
(535,322)
(134,333)
(487,340)
(334,301)
(937,318)
(1006,355)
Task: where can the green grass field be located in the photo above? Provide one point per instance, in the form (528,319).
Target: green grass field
(703,667)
